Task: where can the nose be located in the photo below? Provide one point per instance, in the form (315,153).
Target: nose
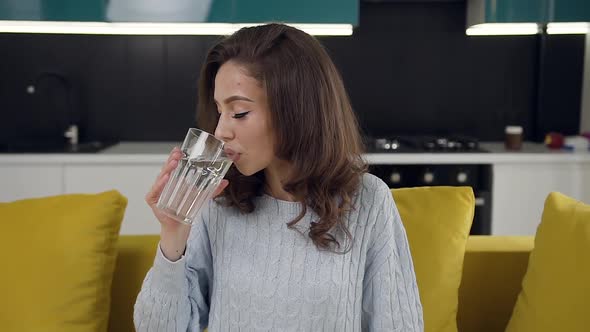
(223,131)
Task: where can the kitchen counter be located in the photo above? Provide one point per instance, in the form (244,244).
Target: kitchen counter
(157,152)
(121,153)
(520,182)
(497,154)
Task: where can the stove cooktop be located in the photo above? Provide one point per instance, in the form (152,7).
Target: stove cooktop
(423,144)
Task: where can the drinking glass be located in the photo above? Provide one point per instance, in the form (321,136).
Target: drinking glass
(193,182)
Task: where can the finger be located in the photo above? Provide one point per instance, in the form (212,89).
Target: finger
(168,168)
(222,185)
(175,154)
(156,190)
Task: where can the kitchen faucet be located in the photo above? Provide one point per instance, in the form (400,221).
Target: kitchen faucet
(72,132)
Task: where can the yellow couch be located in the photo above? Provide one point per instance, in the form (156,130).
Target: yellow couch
(77,260)
(493,270)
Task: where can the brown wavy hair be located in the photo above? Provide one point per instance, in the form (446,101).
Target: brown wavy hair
(313,123)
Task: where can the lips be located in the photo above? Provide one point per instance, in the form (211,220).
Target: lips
(231,154)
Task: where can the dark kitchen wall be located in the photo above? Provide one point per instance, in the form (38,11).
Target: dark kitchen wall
(409,69)
(126,87)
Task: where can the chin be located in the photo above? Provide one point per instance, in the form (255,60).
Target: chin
(245,170)
(249,169)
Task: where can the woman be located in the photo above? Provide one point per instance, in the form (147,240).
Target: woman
(300,238)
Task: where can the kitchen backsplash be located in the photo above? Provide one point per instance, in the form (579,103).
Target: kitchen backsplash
(409,69)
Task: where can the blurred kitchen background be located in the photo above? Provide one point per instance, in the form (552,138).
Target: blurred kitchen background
(409,68)
(433,85)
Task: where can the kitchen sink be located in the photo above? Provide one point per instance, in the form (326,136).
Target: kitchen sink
(54,147)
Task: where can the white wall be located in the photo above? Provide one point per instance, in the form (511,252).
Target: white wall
(585,121)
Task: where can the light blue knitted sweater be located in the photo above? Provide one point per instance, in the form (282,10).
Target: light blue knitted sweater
(249,272)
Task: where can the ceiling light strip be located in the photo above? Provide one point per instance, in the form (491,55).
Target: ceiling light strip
(137,28)
(569,28)
(503,29)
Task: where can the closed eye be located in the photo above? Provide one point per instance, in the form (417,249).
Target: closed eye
(240,115)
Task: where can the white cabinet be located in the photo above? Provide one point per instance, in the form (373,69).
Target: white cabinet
(131,180)
(18,181)
(520,185)
(520,189)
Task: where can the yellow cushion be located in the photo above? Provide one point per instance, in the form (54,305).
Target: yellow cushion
(58,255)
(437,222)
(555,293)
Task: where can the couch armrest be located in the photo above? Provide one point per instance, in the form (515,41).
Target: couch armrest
(492,276)
(135,258)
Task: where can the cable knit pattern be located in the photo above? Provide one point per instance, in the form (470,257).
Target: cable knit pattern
(249,272)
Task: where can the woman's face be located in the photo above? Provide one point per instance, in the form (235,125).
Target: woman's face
(244,119)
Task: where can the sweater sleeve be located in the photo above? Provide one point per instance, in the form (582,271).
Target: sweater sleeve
(175,295)
(391,301)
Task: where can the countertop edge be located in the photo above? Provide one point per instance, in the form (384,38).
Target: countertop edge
(371,158)
(157,152)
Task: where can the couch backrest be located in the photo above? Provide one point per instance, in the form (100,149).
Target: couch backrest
(492,275)
(135,258)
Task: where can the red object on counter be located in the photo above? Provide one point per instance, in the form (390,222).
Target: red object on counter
(554,140)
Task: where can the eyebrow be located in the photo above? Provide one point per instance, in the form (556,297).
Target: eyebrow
(234,98)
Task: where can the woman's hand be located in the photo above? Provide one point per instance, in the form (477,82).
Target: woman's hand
(173,235)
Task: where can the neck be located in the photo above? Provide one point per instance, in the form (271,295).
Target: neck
(275,175)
